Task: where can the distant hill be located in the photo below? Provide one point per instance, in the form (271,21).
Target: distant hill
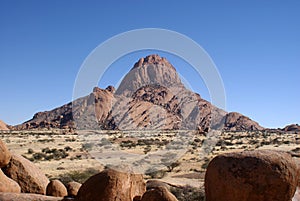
(291,128)
(151,96)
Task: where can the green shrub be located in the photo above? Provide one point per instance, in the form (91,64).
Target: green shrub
(188,193)
(155,174)
(78,176)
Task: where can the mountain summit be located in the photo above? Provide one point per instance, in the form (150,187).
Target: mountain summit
(151,70)
(151,96)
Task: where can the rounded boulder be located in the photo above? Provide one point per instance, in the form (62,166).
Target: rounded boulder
(5,155)
(260,175)
(160,193)
(56,188)
(73,188)
(8,185)
(111,185)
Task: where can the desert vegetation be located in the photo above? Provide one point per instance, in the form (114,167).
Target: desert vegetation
(65,156)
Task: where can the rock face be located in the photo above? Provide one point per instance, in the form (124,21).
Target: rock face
(8,185)
(111,185)
(151,96)
(27,175)
(73,188)
(251,175)
(237,122)
(160,193)
(3,126)
(151,70)
(26,197)
(56,188)
(60,117)
(292,128)
(4,155)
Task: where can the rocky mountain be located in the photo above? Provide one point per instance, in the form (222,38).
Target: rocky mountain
(151,96)
(3,126)
(292,128)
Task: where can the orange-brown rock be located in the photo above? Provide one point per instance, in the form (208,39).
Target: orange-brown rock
(150,70)
(238,122)
(292,128)
(111,185)
(3,126)
(30,178)
(73,188)
(151,96)
(152,184)
(56,188)
(260,175)
(4,154)
(8,185)
(103,100)
(160,193)
(26,197)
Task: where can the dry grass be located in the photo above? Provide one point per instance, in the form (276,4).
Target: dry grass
(66,155)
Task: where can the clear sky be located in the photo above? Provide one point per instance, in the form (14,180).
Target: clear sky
(254,44)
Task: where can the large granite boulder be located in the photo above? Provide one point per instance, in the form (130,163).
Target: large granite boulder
(159,193)
(262,175)
(8,185)
(4,155)
(56,188)
(111,185)
(30,178)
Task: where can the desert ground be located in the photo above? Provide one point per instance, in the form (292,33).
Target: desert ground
(179,158)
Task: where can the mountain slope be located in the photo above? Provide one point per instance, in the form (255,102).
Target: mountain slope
(151,96)
(3,126)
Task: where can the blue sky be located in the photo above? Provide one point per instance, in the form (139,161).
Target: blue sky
(254,44)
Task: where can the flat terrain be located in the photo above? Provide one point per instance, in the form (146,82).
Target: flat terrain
(177,157)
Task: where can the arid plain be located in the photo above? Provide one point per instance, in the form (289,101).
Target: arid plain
(59,153)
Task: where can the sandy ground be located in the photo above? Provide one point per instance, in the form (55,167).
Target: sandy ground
(176,157)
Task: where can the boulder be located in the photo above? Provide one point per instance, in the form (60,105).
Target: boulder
(159,193)
(56,188)
(8,185)
(111,185)
(153,183)
(4,155)
(27,175)
(73,188)
(26,197)
(261,175)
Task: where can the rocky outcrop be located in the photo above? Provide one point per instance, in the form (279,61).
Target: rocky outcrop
(8,185)
(251,175)
(237,122)
(151,96)
(3,126)
(73,188)
(27,175)
(111,185)
(160,193)
(56,189)
(26,197)
(292,128)
(4,155)
(60,117)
